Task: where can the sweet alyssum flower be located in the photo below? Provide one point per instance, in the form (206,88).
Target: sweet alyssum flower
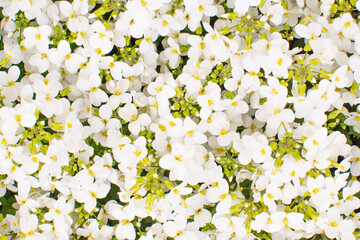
(180,162)
(37,37)
(178,229)
(10,89)
(275,113)
(91,86)
(23,115)
(72,12)
(130,114)
(46,89)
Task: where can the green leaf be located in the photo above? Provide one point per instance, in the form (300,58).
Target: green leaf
(324,74)
(307,47)
(334,114)
(354,87)
(224,31)
(6,204)
(5,60)
(260,24)
(264,36)
(248,41)
(232,16)
(230,95)
(262,3)
(314,61)
(332,124)
(179,92)
(32,149)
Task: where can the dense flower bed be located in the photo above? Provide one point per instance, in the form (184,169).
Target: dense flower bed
(183,119)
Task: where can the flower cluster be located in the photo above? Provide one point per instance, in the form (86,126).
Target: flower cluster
(180,119)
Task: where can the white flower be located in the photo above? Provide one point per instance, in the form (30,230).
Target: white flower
(59,210)
(324,49)
(346,25)
(274,113)
(338,227)
(192,77)
(198,47)
(38,37)
(134,21)
(193,135)
(23,115)
(10,86)
(241,6)
(210,101)
(91,230)
(230,227)
(324,95)
(268,222)
(63,54)
(100,40)
(174,126)
(28,225)
(46,89)
(130,114)
(13,51)
(165,24)
(90,192)
(131,154)
(250,81)
(171,54)
(180,162)
(216,43)
(125,229)
(235,108)
(275,13)
(316,142)
(91,86)
(274,92)
(320,197)
(355,165)
(177,229)
(72,12)
(279,62)
(218,190)
(273,193)
(350,202)
(196,9)
(161,89)
(311,31)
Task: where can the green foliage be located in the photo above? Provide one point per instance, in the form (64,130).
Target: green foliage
(220,73)
(39,136)
(339,7)
(59,34)
(264,235)
(181,107)
(21,23)
(99,150)
(6,204)
(208,227)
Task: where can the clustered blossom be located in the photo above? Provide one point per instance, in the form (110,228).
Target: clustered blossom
(181,119)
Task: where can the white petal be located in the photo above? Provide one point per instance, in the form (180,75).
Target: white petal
(170,228)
